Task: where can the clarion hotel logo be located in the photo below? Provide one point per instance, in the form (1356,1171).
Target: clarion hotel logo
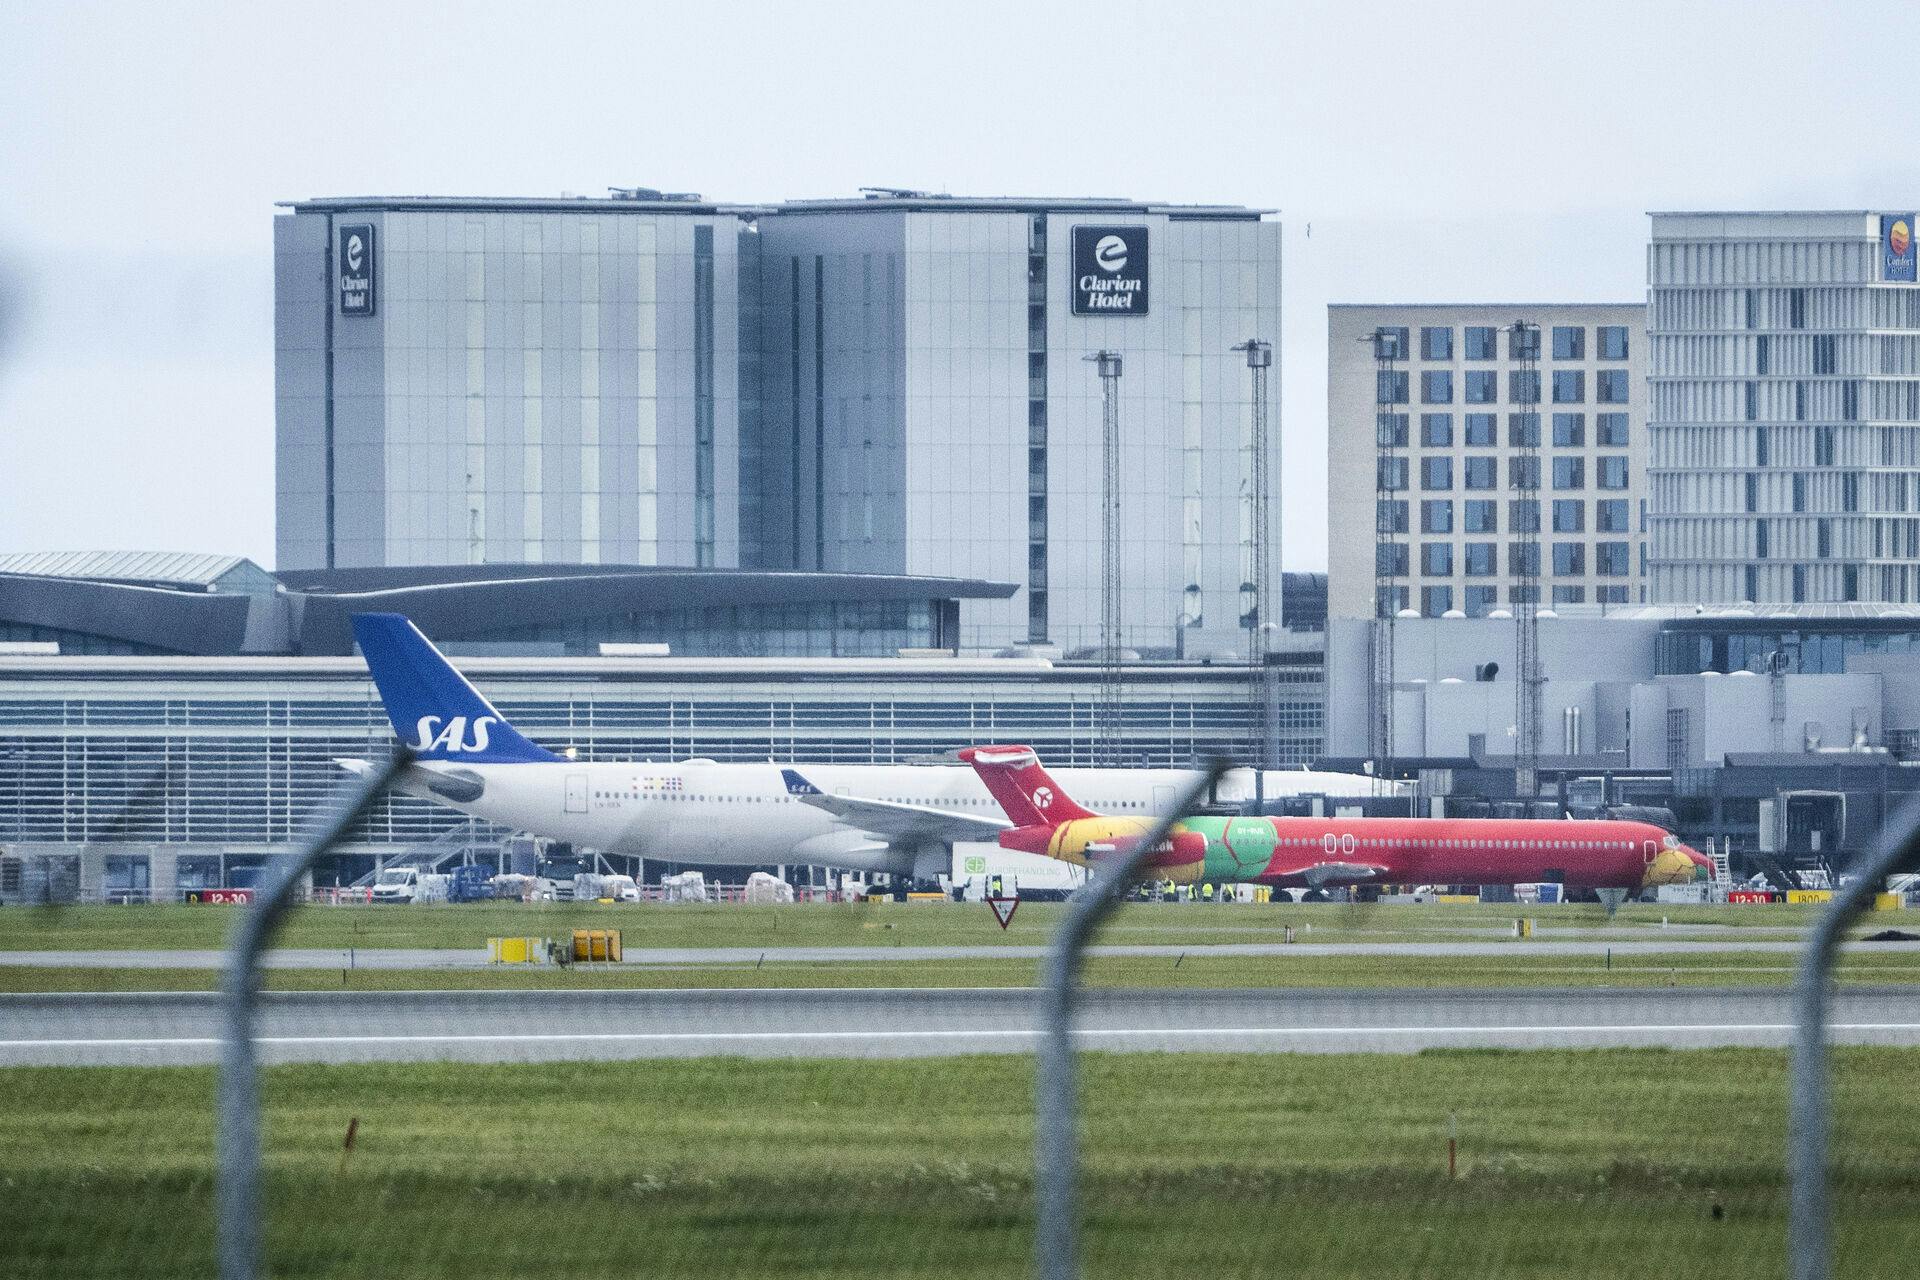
(1109,271)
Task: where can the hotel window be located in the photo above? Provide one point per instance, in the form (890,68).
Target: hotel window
(1610,559)
(1569,342)
(1569,595)
(1436,386)
(1613,341)
(1610,430)
(1480,600)
(1523,386)
(1436,515)
(1523,515)
(1390,386)
(1569,559)
(1482,472)
(1483,386)
(1435,601)
(1390,343)
(1391,474)
(1482,560)
(1823,353)
(1390,430)
(1569,386)
(1569,515)
(1610,386)
(1481,342)
(1569,473)
(1436,473)
(1436,559)
(1523,473)
(1610,515)
(1569,430)
(1436,430)
(1523,558)
(1390,515)
(1523,431)
(1436,343)
(1481,431)
(1612,472)
(1482,515)
(1390,560)
(1523,341)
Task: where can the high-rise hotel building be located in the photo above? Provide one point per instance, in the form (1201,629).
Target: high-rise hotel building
(1784,418)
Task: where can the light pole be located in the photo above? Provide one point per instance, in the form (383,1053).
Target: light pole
(1259,355)
(1108,726)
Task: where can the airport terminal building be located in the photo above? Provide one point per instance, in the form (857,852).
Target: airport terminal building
(894,384)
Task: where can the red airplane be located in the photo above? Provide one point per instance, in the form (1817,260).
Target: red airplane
(1314,853)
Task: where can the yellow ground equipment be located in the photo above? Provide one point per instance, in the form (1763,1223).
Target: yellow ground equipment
(515,951)
(596,944)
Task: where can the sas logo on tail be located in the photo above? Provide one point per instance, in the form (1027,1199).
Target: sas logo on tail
(430,737)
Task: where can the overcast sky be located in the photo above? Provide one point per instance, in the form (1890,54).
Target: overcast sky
(1419,152)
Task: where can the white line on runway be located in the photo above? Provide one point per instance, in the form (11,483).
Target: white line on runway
(644,1037)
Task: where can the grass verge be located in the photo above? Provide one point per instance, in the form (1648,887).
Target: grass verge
(1572,1164)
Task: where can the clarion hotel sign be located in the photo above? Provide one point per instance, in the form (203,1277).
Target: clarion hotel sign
(1109,271)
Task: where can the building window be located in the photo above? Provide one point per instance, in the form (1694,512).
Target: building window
(1569,386)
(1569,515)
(1390,515)
(1610,515)
(1436,559)
(1482,515)
(1751,399)
(1523,430)
(1391,474)
(1611,559)
(1610,386)
(1436,430)
(1481,343)
(1523,386)
(1799,583)
(1523,560)
(1800,493)
(1436,515)
(1612,472)
(1482,560)
(1436,386)
(1390,386)
(1523,473)
(1435,601)
(1823,538)
(1481,432)
(1753,491)
(1850,402)
(1613,342)
(1569,473)
(1610,430)
(1823,446)
(1796,308)
(1569,342)
(1823,353)
(1390,560)
(1481,600)
(1436,343)
(1523,515)
(1569,430)
(1762,540)
(1762,354)
(1388,601)
(1760,446)
(1390,430)
(1523,342)
(1610,595)
(1482,387)
(1849,582)
(1569,559)
(1569,595)
(1481,472)
(1436,474)
(1390,343)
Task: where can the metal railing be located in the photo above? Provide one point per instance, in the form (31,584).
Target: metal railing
(237,1136)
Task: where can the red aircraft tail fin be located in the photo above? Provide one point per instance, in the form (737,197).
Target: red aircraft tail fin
(1022,788)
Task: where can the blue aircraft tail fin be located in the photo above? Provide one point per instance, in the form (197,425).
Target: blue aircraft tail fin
(433,708)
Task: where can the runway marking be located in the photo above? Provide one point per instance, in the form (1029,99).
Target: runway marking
(643,1037)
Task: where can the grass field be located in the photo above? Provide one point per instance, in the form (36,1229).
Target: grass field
(1192,970)
(877,925)
(1571,1164)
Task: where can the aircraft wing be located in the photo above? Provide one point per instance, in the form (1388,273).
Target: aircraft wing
(895,821)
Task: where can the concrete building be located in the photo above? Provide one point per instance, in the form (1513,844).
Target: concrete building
(1785,413)
(928,405)
(1736,720)
(1451,402)
(478,381)
(896,384)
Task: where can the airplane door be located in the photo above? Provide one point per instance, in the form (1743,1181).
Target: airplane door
(1648,851)
(576,793)
(1162,798)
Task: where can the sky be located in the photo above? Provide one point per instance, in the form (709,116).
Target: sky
(1417,152)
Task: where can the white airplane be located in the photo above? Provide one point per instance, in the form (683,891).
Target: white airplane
(893,819)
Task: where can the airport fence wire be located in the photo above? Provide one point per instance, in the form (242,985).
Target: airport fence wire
(1563,1163)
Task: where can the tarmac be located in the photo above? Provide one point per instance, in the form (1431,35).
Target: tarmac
(166,1028)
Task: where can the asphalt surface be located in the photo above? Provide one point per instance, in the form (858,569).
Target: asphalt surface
(496,1026)
(420,958)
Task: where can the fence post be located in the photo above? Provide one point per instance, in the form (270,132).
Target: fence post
(1056,1122)
(1809,1255)
(237,1141)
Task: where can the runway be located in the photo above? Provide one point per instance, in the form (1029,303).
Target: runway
(421,958)
(527,1026)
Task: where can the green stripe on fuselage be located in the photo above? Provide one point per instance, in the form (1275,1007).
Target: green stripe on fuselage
(1237,848)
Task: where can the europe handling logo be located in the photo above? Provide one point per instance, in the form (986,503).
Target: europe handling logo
(1896,247)
(1109,271)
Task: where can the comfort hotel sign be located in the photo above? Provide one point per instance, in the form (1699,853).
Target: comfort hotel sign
(1109,271)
